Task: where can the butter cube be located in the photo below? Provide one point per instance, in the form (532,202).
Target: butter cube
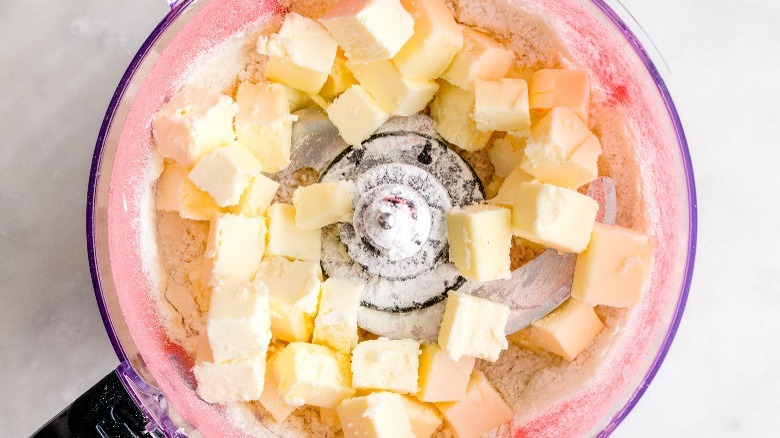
(506,154)
(169,185)
(264,123)
(270,399)
(227,382)
(613,269)
(192,123)
(441,378)
(356,115)
(480,238)
(336,323)
(300,55)
(552,88)
(235,247)
(502,105)
(238,322)
(423,417)
(451,109)
(195,204)
(312,374)
(553,216)
(385,364)
(482,410)
(481,57)
(562,151)
(322,204)
(473,326)
(377,415)
(225,173)
(566,331)
(368,30)
(257,197)
(339,79)
(396,94)
(507,193)
(286,239)
(436,40)
(296,98)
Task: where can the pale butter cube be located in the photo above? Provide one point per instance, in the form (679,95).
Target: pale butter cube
(264,123)
(192,123)
(321,204)
(313,375)
(227,382)
(553,216)
(386,364)
(436,40)
(297,99)
(506,154)
(235,247)
(257,197)
(336,323)
(368,30)
(507,193)
(225,173)
(300,55)
(481,57)
(339,79)
(396,94)
(451,109)
(238,322)
(270,399)
(566,331)
(473,326)
(480,238)
(613,270)
(169,185)
(356,115)
(376,415)
(552,88)
(482,410)
(286,239)
(195,204)
(502,105)
(562,151)
(441,378)
(294,282)
(423,417)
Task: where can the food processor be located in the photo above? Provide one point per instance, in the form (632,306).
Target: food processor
(151,393)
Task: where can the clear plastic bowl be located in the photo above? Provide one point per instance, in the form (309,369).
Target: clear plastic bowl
(157,372)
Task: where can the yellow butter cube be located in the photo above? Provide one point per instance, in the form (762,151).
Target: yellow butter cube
(481,57)
(257,197)
(441,378)
(169,185)
(339,79)
(551,88)
(296,98)
(300,55)
(286,239)
(312,374)
(322,204)
(368,30)
(423,417)
(451,109)
(295,282)
(507,192)
(225,173)
(264,124)
(396,94)
(227,382)
(193,122)
(235,247)
(480,238)
(195,204)
(506,154)
(356,114)
(270,399)
(436,40)
(566,331)
(473,326)
(502,105)
(553,216)
(613,270)
(562,151)
(386,364)
(482,410)
(238,322)
(336,323)
(377,415)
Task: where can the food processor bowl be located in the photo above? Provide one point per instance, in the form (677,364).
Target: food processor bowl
(156,373)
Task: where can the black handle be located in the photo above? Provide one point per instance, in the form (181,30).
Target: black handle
(106,411)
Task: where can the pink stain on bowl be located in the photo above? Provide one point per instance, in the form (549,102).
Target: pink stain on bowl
(591,45)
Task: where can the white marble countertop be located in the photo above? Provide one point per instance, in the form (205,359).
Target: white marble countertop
(60,62)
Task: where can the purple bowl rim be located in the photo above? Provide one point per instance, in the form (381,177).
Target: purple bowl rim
(176,11)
